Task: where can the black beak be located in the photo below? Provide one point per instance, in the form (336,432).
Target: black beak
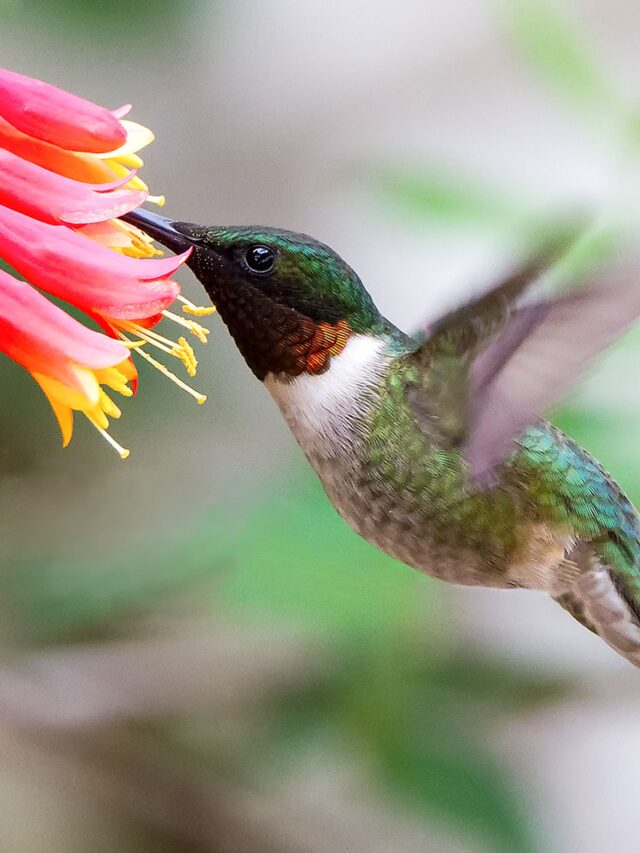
(177,236)
(205,263)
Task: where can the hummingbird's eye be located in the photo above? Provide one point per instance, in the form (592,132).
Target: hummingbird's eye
(260,259)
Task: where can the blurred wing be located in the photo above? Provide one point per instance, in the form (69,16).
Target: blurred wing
(440,397)
(493,367)
(512,382)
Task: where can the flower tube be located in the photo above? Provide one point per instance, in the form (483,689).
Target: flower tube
(45,112)
(70,362)
(127,296)
(69,170)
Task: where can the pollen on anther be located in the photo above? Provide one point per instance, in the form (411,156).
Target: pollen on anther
(190,307)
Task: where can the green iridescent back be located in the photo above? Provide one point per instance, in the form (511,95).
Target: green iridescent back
(547,480)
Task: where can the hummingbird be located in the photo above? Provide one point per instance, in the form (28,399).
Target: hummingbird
(434,450)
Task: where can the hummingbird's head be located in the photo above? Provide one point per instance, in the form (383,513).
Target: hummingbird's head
(290,302)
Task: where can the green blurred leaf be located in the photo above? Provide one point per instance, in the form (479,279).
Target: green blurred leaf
(300,560)
(117,19)
(556,46)
(450,779)
(404,708)
(496,685)
(57,598)
(447,199)
(458,201)
(287,555)
(415,718)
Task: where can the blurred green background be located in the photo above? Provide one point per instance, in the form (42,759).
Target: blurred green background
(196,653)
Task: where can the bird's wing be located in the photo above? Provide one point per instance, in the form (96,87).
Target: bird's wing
(489,369)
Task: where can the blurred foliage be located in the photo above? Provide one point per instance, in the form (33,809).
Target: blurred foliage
(121,19)
(399,692)
(554,43)
(438,197)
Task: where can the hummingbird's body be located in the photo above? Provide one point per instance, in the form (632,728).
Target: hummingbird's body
(400,489)
(432,451)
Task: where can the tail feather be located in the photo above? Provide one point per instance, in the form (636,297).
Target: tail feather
(601,601)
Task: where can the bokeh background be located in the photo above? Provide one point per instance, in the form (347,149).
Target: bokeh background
(196,653)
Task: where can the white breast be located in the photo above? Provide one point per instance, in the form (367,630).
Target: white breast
(320,409)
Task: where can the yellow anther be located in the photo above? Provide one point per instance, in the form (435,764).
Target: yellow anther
(199,398)
(140,246)
(196,310)
(195,328)
(192,361)
(185,353)
(181,349)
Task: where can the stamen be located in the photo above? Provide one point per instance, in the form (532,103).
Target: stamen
(147,334)
(195,328)
(188,357)
(141,244)
(199,398)
(196,310)
(182,349)
(115,380)
(108,405)
(122,452)
(146,338)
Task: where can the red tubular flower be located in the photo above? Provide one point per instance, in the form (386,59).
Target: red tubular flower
(69,361)
(81,166)
(71,164)
(55,199)
(69,170)
(127,296)
(103,283)
(66,202)
(53,115)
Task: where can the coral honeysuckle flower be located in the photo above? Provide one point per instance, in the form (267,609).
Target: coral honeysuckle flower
(53,115)
(125,295)
(55,199)
(67,360)
(69,171)
(28,105)
(126,158)
(102,283)
(83,166)
(89,168)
